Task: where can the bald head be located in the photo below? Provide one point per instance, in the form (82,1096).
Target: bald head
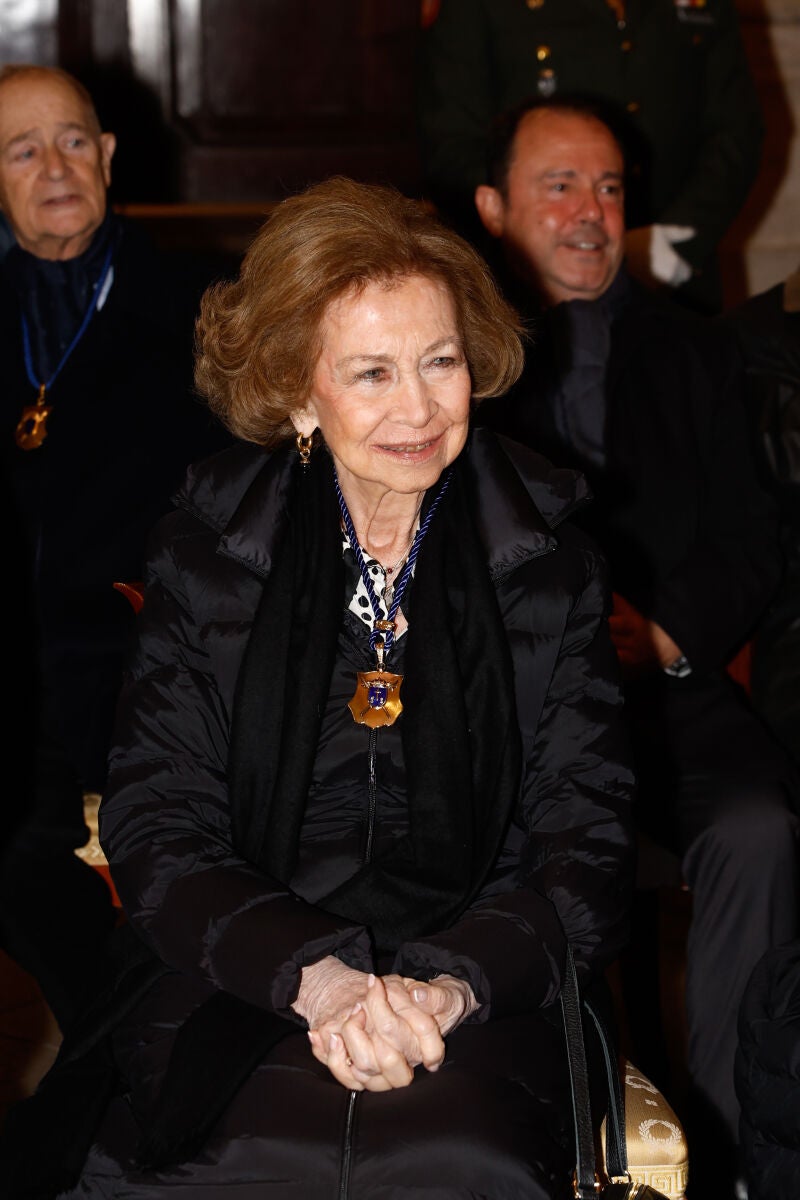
(55,163)
(35,73)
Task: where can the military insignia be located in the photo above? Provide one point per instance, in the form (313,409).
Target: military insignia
(693,12)
(547,83)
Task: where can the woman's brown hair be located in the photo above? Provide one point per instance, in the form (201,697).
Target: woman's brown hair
(259,337)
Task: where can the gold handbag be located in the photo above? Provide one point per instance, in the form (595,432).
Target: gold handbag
(631,1190)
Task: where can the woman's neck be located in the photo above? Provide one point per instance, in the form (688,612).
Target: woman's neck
(385,522)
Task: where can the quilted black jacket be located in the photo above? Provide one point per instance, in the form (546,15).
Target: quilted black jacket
(565,868)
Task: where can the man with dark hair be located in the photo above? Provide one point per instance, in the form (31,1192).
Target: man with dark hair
(98,424)
(674,69)
(647,400)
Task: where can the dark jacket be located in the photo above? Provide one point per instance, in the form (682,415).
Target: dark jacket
(768,326)
(124,426)
(690,535)
(227,932)
(770,340)
(174,864)
(768,1076)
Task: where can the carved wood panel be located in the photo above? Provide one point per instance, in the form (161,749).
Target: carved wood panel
(272,93)
(236,100)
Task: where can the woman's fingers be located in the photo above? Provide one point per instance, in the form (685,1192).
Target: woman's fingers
(399,1024)
(340,1065)
(446,999)
(357,1059)
(373,1057)
(324,1031)
(422,1025)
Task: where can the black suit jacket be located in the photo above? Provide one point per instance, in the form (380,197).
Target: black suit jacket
(690,534)
(125,424)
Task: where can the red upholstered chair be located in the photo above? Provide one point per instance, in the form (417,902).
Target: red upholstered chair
(133,592)
(92,852)
(740,666)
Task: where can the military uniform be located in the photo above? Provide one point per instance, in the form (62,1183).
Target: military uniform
(676,67)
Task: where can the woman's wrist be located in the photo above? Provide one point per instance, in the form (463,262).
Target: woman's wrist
(465,991)
(462,1001)
(326,988)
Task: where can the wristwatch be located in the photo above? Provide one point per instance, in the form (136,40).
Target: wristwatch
(680,668)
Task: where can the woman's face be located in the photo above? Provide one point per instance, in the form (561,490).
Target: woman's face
(391,390)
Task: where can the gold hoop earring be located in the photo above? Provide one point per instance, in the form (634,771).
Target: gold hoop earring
(304,447)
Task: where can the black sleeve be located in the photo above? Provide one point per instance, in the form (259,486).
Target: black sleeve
(165,825)
(712,598)
(729,154)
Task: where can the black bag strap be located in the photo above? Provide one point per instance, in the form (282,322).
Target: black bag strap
(616,1145)
(616,1153)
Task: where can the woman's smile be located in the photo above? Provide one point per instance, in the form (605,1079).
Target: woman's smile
(392,388)
(412,449)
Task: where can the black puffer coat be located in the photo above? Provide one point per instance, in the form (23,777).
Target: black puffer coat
(768,1075)
(495,1120)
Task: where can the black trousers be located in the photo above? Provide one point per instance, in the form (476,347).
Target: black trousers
(714,787)
(494,1122)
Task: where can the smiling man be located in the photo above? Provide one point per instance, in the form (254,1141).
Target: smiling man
(647,401)
(97,425)
(558,207)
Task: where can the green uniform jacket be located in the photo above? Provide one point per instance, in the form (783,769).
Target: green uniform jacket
(677,66)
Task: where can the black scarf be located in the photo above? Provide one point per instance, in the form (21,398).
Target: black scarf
(460,736)
(54,295)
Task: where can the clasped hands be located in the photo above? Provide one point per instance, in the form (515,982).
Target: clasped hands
(372,1031)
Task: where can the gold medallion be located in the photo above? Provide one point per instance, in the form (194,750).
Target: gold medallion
(32,426)
(376,701)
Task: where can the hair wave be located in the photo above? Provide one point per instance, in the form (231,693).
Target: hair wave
(258,338)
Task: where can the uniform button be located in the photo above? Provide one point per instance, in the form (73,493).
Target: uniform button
(626,46)
(542,53)
(546,84)
(534,3)
(633,106)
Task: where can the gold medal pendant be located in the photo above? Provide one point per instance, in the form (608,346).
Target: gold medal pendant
(32,426)
(376,701)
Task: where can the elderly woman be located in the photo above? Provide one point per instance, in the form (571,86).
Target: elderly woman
(368,779)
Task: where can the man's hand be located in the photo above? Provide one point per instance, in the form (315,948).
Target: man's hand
(641,644)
